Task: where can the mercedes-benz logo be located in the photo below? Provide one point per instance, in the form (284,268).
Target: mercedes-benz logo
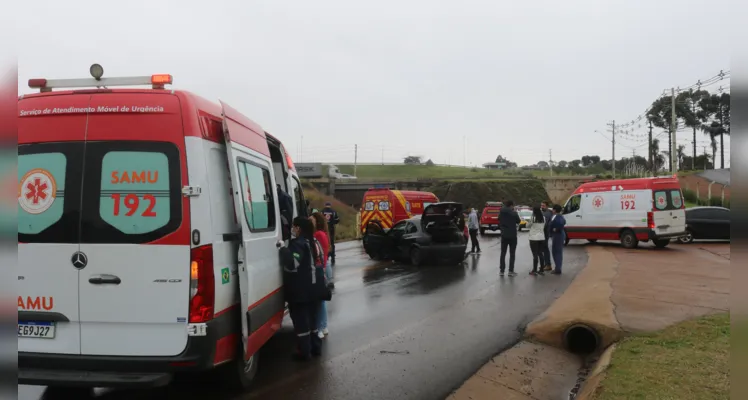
(79,260)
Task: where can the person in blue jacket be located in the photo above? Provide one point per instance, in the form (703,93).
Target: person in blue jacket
(298,286)
(558,237)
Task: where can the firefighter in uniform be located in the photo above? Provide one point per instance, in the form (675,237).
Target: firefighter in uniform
(332,220)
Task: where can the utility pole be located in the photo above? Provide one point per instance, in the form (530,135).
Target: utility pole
(673,126)
(355,159)
(550,160)
(706,158)
(693,109)
(651,152)
(613,125)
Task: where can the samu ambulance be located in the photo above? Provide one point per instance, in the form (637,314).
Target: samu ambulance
(148,234)
(627,210)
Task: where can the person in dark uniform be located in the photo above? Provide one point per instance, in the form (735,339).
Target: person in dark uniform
(298,285)
(508,223)
(558,236)
(332,220)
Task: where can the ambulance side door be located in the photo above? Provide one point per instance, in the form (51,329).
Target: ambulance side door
(257,210)
(573,212)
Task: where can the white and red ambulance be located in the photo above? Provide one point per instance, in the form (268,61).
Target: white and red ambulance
(148,234)
(627,210)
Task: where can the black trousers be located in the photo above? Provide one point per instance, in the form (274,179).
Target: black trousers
(332,243)
(304,317)
(539,249)
(474,239)
(511,245)
(546,253)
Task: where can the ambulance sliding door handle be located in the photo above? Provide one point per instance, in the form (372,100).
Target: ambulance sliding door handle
(579,216)
(105,279)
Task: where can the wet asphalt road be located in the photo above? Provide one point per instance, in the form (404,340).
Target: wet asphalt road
(396,331)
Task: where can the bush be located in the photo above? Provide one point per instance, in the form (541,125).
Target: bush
(690,196)
(714,202)
(346,229)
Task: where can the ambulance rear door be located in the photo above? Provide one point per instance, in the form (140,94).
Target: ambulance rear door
(50,168)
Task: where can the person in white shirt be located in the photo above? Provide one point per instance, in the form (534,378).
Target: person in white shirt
(473,227)
(537,241)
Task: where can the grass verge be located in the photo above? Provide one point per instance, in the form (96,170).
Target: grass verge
(346,229)
(689,360)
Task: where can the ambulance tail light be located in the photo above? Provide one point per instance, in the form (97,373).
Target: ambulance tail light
(650,220)
(202,284)
(289,161)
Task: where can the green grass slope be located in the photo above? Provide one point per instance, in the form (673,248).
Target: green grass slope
(476,193)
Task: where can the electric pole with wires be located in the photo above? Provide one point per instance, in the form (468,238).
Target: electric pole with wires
(613,126)
(652,159)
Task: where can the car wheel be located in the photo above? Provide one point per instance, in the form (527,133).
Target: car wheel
(686,239)
(628,239)
(239,374)
(415,256)
(64,393)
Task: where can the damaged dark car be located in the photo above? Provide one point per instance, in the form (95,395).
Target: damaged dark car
(436,235)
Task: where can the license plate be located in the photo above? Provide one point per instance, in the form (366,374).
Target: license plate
(39,330)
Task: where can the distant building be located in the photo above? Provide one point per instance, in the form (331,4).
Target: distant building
(494,165)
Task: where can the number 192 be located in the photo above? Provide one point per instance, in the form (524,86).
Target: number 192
(628,204)
(132,202)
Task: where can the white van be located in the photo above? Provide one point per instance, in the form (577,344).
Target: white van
(627,210)
(148,235)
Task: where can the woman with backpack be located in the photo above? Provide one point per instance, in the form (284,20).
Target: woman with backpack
(321,234)
(537,240)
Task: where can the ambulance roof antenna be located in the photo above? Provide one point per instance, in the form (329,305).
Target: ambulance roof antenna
(97,71)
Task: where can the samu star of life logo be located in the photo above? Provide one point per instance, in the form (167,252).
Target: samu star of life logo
(37,191)
(598,202)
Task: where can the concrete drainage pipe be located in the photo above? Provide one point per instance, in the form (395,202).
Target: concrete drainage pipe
(581,339)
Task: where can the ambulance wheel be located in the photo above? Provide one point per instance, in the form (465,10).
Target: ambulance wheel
(64,393)
(482,231)
(592,240)
(416,257)
(240,374)
(661,243)
(628,239)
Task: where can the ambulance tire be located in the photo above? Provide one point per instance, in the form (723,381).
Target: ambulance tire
(592,240)
(628,239)
(65,393)
(482,231)
(238,374)
(661,243)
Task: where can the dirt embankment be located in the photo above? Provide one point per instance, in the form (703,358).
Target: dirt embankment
(476,193)
(346,230)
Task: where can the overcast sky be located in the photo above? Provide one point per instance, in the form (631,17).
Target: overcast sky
(400,77)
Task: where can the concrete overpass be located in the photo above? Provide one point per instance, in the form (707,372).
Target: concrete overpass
(352,192)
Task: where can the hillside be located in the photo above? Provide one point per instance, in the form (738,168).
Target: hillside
(413,172)
(475,194)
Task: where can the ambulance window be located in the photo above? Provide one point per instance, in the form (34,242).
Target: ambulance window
(134,192)
(660,200)
(384,206)
(41,191)
(676,199)
(257,197)
(298,197)
(407,206)
(573,204)
(369,206)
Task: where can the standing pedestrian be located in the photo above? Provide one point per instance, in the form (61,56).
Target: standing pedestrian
(548,214)
(473,227)
(537,240)
(558,236)
(320,233)
(332,221)
(298,285)
(508,223)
